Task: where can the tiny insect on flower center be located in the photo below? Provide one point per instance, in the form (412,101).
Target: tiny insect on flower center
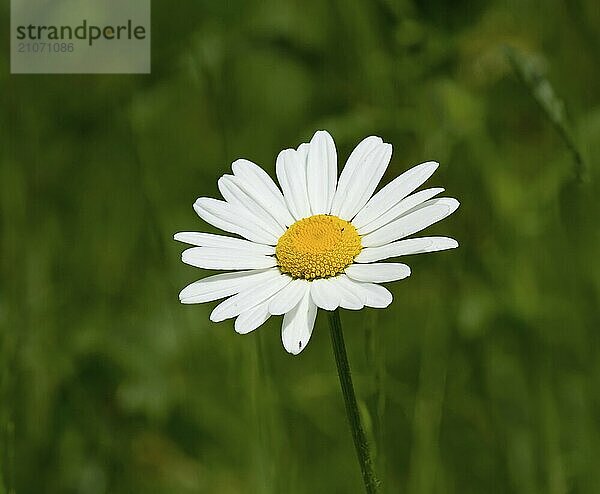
(319,246)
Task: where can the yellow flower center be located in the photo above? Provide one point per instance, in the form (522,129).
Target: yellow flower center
(318,247)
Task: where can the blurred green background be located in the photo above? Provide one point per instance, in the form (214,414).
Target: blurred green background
(482,377)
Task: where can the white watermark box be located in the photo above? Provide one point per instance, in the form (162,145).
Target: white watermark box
(80,36)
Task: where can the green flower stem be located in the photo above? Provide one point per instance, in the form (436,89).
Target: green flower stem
(358,433)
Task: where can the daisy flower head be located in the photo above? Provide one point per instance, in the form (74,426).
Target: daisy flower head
(316,242)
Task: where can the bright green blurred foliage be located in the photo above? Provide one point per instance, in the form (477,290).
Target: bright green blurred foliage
(484,374)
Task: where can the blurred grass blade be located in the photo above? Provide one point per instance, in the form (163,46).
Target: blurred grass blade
(552,106)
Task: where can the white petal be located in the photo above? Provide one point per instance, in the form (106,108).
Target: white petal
(405,248)
(352,287)
(222,258)
(376,296)
(232,219)
(251,319)
(321,172)
(372,295)
(302,150)
(249,297)
(291,173)
(232,192)
(399,209)
(222,285)
(378,273)
(260,186)
(288,298)
(414,221)
(356,159)
(202,239)
(365,180)
(298,324)
(394,192)
(324,294)
(349,299)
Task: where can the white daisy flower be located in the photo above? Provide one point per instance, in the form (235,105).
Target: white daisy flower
(316,242)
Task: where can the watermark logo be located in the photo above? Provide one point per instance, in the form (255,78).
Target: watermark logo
(80,36)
